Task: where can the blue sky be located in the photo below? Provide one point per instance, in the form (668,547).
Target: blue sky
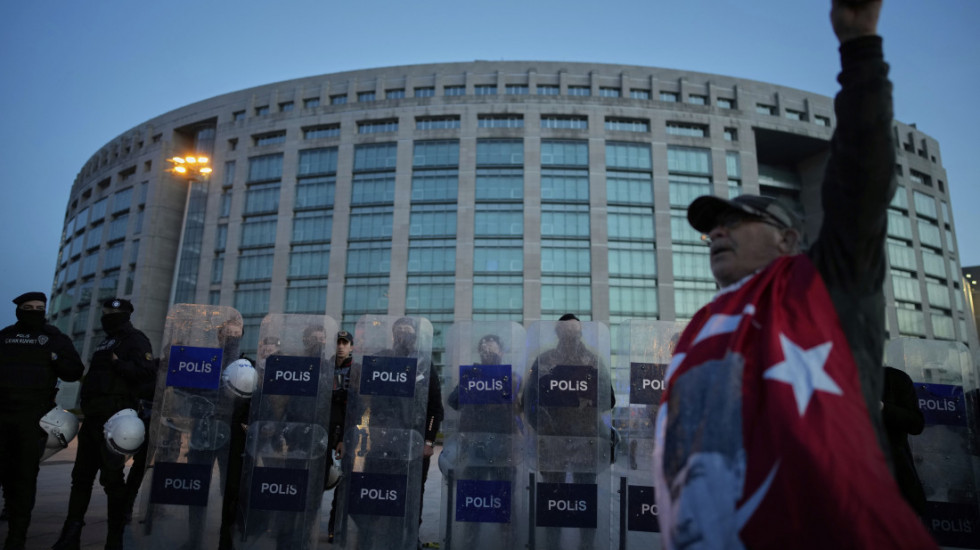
(77,74)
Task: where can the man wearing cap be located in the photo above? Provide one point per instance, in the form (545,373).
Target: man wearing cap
(797,339)
(33,356)
(338,409)
(120,365)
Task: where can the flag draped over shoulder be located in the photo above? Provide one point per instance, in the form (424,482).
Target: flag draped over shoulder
(763,438)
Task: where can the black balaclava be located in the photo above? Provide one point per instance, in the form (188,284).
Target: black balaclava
(32,319)
(111,322)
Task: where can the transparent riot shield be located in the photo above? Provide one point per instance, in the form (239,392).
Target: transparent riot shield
(286,447)
(379,496)
(181,498)
(644,348)
(483,501)
(567,402)
(945,453)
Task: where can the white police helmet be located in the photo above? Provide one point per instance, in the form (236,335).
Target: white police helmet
(61,427)
(124,432)
(333,474)
(241,378)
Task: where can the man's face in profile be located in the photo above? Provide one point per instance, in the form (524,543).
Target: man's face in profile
(703,495)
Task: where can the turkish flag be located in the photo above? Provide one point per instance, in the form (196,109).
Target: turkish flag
(763,437)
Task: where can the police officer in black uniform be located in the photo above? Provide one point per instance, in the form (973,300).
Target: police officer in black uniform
(121,364)
(33,356)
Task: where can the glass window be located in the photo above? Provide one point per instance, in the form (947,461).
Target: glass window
(628,156)
(906,287)
(369,258)
(238,115)
(395,93)
(424,91)
(517,89)
(731,134)
(429,293)
(259,231)
(436,153)
(454,90)
(498,219)
(316,192)
(938,294)
(564,153)
(435,185)
(500,121)
(317,161)
(224,208)
(565,122)
(630,223)
(565,220)
(925,205)
(690,130)
(498,152)
(821,120)
(580,90)
(306,296)
(113,256)
(795,115)
(901,198)
(942,327)
(338,99)
(629,187)
(99,209)
(437,122)
(323,131)
(609,92)
(286,106)
(690,296)
(548,89)
(432,256)
(255,264)
(689,160)
(221,236)
(375,156)
(499,184)
(639,94)
(565,256)
(901,255)
(563,294)
(117,229)
(433,220)
(681,230)
(632,259)
(262,198)
(764,109)
(309,260)
(684,189)
(635,298)
(365,96)
(485,89)
(93,237)
(373,188)
(670,97)
(371,223)
(498,255)
(252,299)
(628,124)
(726,103)
(695,99)
(312,226)
(929,235)
(365,295)
(311,102)
(933,264)
(265,167)
(377,126)
(498,293)
(564,185)
(262,111)
(692,262)
(122,201)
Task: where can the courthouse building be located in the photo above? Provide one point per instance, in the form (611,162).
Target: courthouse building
(482,190)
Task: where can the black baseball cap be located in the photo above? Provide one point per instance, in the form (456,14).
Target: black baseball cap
(344,335)
(704,212)
(29,296)
(118,303)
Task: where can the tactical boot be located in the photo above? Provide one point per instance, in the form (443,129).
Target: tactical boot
(71,535)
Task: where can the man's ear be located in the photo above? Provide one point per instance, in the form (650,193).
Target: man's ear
(789,242)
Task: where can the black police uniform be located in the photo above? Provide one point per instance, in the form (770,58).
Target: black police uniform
(110,386)
(33,356)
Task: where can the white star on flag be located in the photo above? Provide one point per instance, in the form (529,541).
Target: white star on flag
(804,370)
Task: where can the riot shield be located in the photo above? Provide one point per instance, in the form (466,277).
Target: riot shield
(644,349)
(945,453)
(379,495)
(483,474)
(567,402)
(286,448)
(189,429)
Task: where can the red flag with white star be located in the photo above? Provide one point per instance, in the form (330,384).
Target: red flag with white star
(763,436)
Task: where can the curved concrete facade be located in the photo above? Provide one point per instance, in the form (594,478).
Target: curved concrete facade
(483,190)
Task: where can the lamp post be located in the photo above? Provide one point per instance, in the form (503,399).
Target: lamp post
(194,169)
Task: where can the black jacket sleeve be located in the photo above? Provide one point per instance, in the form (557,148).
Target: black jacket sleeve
(135,359)
(900,405)
(66,363)
(434,412)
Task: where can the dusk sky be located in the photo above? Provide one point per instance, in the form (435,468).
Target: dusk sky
(77,74)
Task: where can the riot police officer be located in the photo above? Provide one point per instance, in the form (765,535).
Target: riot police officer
(120,365)
(33,356)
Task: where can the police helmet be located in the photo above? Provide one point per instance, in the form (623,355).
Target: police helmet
(124,432)
(61,427)
(333,474)
(240,378)
(447,458)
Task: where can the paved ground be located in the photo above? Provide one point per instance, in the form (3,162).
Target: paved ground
(54,484)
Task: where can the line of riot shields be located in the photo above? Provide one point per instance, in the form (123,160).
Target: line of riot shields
(547,438)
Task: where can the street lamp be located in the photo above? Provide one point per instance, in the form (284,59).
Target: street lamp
(195,169)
